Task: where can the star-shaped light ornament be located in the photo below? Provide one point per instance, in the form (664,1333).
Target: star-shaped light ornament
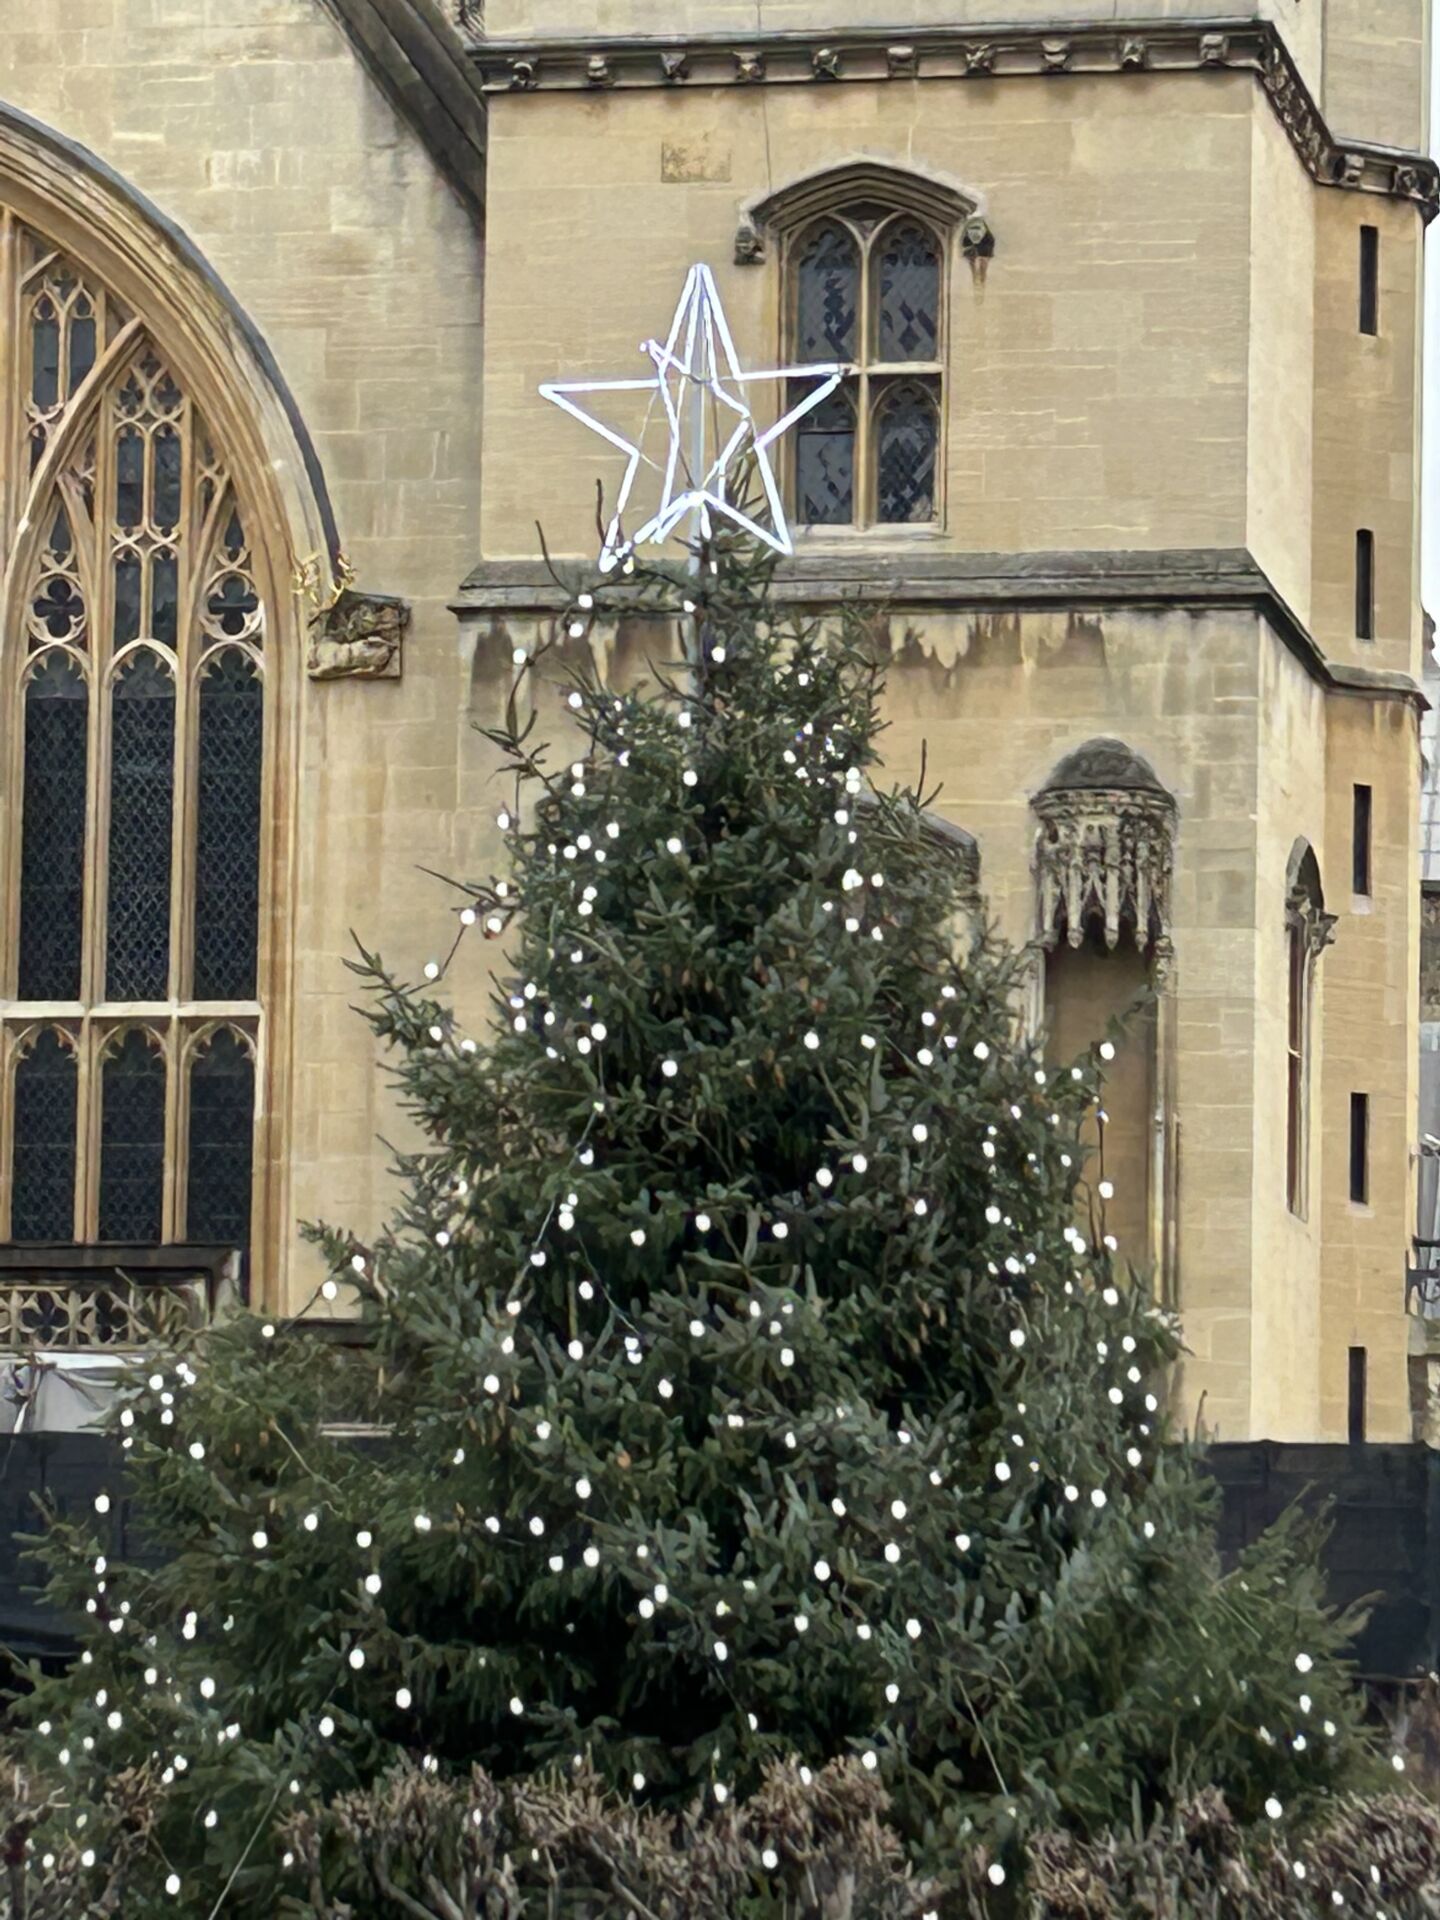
(698,382)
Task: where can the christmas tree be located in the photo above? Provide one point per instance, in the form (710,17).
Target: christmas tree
(751,1392)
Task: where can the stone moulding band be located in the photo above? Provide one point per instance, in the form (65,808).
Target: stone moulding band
(982,54)
(1192,580)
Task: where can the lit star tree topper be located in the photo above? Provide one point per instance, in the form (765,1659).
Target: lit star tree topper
(697,381)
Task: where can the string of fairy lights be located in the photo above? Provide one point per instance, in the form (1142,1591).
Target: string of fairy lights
(699,358)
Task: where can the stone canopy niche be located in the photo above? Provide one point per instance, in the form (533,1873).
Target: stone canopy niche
(1104,856)
(1104,852)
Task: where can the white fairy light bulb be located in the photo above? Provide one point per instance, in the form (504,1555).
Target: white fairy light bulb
(1303,1663)
(995,1874)
(1002,1470)
(669,1068)
(637,1237)
(1273,1808)
(357,1658)
(702,1223)
(102,1503)
(259,1539)
(402,1698)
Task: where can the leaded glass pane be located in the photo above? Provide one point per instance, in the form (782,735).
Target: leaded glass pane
(52,829)
(165,511)
(127,598)
(227,828)
(827,305)
(908,271)
(42,1205)
(825,462)
(222,1113)
(132,1142)
(45,354)
(142,772)
(129,477)
(905,435)
(164,578)
(82,341)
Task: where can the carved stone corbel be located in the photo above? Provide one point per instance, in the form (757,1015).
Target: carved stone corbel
(825,64)
(749,244)
(902,62)
(358,638)
(1133,53)
(1316,926)
(1054,56)
(749,67)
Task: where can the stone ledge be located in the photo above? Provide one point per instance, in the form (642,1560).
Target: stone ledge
(1188,579)
(599,63)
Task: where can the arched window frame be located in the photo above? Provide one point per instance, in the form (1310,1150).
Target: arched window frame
(1309,929)
(145,303)
(869,200)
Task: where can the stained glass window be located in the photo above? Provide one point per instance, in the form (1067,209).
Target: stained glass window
(222,1119)
(43,1164)
(142,774)
(906,432)
(868,288)
(52,828)
(227,828)
(137,698)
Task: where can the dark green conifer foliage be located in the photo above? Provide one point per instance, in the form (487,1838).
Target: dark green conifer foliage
(749,1388)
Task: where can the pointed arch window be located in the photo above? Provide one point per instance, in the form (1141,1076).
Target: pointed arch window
(136,712)
(866,285)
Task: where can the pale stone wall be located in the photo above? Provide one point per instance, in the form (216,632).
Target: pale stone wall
(1285,1247)
(1098,370)
(1366,409)
(1281,358)
(1370,988)
(253,126)
(1377,70)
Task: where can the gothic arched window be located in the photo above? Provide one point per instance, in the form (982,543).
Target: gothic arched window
(866,286)
(135,728)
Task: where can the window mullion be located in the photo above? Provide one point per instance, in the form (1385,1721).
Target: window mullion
(172,1205)
(88,1043)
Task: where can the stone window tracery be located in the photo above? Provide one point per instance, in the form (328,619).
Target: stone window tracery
(136,725)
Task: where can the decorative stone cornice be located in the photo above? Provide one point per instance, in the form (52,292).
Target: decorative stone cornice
(952,53)
(1190,579)
(1104,850)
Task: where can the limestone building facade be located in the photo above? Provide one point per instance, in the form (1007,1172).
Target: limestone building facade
(1124,461)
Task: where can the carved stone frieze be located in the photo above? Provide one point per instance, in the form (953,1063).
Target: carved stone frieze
(868,54)
(1104,849)
(358,638)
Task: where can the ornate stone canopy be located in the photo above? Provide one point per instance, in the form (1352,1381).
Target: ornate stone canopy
(1104,849)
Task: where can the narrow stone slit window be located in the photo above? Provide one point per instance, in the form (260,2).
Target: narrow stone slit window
(1356,1422)
(1364,584)
(1360,840)
(1360,1148)
(1369,280)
